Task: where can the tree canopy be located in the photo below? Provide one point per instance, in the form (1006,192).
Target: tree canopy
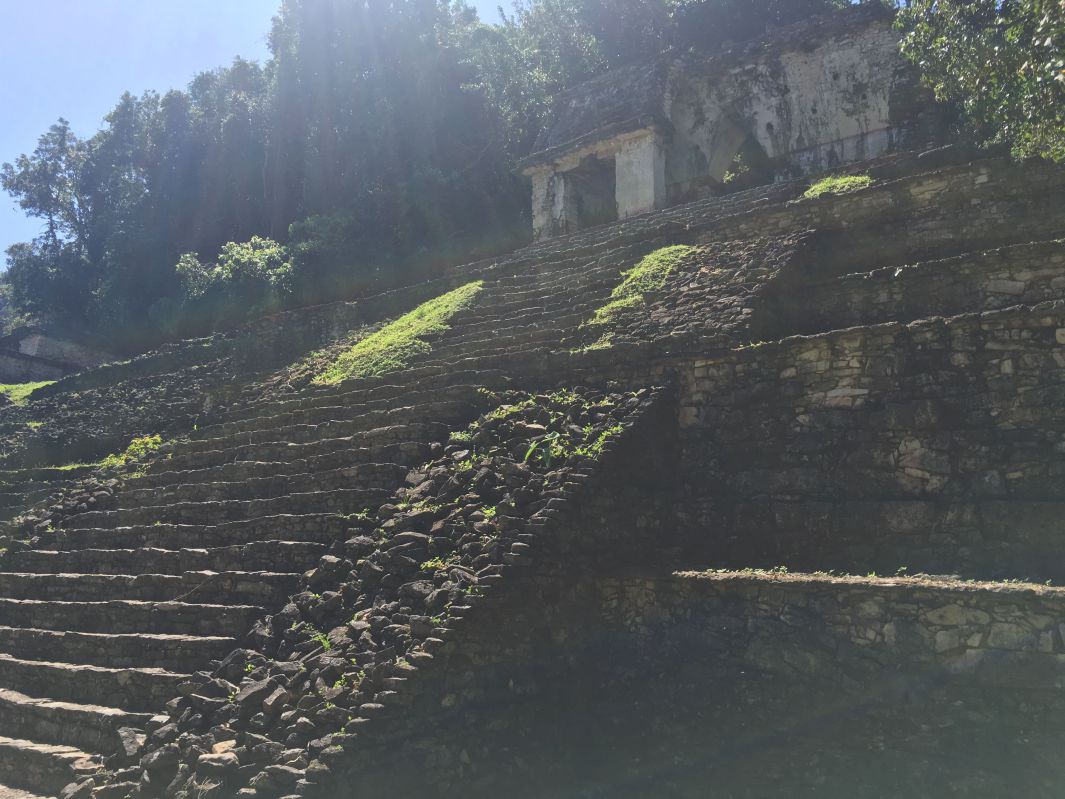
(1001,61)
(380,137)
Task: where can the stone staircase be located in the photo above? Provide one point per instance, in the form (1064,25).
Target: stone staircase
(24,488)
(105,618)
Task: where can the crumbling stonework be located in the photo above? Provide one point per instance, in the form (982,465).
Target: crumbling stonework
(864,384)
(807,99)
(29,355)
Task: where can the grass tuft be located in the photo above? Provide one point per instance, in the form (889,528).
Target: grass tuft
(19,393)
(394,346)
(838,184)
(648,275)
(138,450)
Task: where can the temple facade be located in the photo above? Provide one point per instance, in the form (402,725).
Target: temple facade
(806,99)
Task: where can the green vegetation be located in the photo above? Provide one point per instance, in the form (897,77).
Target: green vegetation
(648,275)
(248,278)
(595,448)
(374,140)
(378,144)
(138,449)
(69,467)
(604,342)
(314,633)
(393,346)
(19,393)
(439,564)
(837,184)
(555,447)
(1002,62)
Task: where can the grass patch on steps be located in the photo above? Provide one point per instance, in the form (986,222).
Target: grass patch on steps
(838,184)
(648,275)
(19,393)
(69,467)
(394,346)
(138,449)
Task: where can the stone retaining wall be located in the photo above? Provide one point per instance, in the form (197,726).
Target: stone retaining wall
(1025,274)
(883,447)
(624,686)
(846,628)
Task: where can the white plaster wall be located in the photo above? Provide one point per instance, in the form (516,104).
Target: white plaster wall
(549,208)
(63,351)
(640,175)
(809,109)
(816,109)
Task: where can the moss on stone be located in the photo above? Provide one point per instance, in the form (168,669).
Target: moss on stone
(394,346)
(648,275)
(838,184)
(19,393)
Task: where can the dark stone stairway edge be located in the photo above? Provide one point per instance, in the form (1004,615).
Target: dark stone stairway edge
(549,525)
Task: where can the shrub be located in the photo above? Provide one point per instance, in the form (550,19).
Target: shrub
(395,345)
(838,184)
(249,279)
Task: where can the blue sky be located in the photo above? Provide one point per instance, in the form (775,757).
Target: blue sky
(74,58)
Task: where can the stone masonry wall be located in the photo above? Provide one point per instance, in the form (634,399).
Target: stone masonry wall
(1024,274)
(932,446)
(599,684)
(833,687)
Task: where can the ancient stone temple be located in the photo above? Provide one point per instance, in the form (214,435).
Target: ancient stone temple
(809,98)
(756,495)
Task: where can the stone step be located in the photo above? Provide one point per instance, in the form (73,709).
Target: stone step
(322,413)
(537,309)
(242,587)
(89,727)
(566,294)
(43,768)
(130,616)
(322,528)
(359,391)
(366,475)
(571,294)
(184,653)
(552,273)
(286,452)
(7,792)
(548,330)
(9,499)
(337,428)
(43,474)
(437,362)
(12,504)
(136,689)
(280,556)
(487,350)
(210,513)
(407,454)
(970,281)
